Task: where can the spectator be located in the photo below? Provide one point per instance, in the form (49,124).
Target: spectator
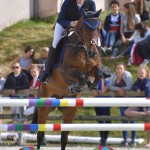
(26,60)
(139,54)
(16,80)
(35,84)
(141,9)
(102,111)
(120,82)
(143,47)
(142,84)
(147,3)
(41,61)
(2,82)
(1,111)
(43,55)
(127,27)
(112,26)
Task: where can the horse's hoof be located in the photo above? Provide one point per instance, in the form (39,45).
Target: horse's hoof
(92,86)
(44,141)
(72,89)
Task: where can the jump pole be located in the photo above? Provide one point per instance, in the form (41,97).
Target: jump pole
(71,139)
(75,127)
(79,102)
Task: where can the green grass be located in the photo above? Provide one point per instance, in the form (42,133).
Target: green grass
(39,33)
(13,40)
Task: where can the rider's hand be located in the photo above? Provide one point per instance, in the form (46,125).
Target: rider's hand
(73,23)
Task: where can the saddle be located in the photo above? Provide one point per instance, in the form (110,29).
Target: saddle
(60,50)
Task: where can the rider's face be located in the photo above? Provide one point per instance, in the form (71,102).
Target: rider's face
(80,1)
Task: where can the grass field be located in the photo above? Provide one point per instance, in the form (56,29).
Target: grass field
(39,33)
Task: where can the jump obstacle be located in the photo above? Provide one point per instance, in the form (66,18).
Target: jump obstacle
(78,102)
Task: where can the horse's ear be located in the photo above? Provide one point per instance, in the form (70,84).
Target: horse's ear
(84,14)
(97,14)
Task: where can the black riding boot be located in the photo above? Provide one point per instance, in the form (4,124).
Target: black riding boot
(50,60)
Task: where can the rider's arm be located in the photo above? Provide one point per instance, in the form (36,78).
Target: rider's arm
(62,17)
(93,6)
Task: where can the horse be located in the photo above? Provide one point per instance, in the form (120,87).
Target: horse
(81,61)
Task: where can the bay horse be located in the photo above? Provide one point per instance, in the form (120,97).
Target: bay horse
(80,62)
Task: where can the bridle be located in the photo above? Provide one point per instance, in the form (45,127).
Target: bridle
(80,44)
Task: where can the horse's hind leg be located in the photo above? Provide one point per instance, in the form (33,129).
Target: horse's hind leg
(68,114)
(42,116)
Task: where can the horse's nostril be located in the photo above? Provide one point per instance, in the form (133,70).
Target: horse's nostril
(92,54)
(93,41)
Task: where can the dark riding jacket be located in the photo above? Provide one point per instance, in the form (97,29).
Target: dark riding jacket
(71,12)
(112,25)
(17,83)
(143,85)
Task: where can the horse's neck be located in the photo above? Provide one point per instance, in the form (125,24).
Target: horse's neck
(77,33)
(79,25)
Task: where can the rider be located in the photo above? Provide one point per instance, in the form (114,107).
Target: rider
(68,17)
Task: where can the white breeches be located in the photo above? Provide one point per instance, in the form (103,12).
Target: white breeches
(57,34)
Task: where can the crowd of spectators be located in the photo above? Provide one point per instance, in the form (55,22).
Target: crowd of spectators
(25,70)
(128,29)
(121,82)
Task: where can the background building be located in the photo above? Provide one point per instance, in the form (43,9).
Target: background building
(26,9)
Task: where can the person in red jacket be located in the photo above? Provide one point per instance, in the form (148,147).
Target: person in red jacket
(35,84)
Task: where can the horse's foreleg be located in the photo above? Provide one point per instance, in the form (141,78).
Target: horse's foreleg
(68,115)
(42,116)
(98,74)
(77,77)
